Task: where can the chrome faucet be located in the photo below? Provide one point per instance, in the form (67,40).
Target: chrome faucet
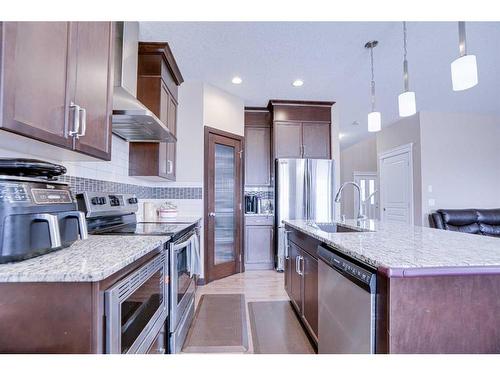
(339,195)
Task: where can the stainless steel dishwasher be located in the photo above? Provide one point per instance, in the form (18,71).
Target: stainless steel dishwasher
(346,293)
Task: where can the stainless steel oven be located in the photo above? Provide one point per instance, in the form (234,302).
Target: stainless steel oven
(182,289)
(136,308)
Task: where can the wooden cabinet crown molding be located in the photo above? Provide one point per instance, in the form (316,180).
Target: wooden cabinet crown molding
(301,111)
(257,116)
(163,49)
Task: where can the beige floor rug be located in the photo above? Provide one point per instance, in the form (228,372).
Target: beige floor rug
(219,325)
(276,329)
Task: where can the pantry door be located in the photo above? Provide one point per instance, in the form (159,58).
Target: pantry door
(223,204)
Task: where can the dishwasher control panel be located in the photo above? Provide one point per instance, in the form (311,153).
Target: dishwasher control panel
(342,264)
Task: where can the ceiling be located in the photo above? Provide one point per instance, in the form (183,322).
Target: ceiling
(331,60)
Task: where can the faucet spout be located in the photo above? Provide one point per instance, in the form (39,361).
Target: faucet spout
(360,215)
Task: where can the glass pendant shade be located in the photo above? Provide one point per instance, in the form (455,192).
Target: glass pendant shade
(407,104)
(374,122)
(464,73)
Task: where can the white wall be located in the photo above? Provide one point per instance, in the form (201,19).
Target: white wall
(404,131)
(335,153)
(460,161)
(360,157)
(223,111)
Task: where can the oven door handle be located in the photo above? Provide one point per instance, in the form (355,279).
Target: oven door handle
(182,245)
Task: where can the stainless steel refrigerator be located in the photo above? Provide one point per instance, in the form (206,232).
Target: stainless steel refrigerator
(305,189)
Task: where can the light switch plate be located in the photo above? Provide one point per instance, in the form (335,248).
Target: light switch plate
(429,188)
(432,202)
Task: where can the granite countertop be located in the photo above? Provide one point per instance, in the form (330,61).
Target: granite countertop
(93,259)
(175,220)
(399,250)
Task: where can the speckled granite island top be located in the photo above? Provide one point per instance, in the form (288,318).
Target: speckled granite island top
(400,250)
(91,260)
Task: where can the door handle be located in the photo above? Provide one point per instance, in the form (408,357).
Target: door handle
(211,214)
(83,112)
(76,120)
(54,233)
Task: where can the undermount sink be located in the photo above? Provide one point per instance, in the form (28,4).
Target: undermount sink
(337,228)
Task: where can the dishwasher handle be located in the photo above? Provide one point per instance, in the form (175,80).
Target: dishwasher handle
(364,276)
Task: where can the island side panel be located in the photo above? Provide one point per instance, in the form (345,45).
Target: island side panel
(445,314)
(47,318)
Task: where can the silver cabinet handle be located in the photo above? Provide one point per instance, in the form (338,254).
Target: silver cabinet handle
(76,120)
(297,264)
(303,151)
(83,112)
(54,233)
(300,265)
(170,166)
(82,223)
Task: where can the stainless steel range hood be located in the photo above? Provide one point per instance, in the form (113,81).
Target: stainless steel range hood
(132,120)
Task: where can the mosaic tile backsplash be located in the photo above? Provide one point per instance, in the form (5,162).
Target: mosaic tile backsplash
(81,184)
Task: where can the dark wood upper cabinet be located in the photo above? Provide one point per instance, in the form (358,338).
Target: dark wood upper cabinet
(258,160)
(157,88)
(288,140)
(257,156)
(316,140)
(47,67)
(93,87)
(34,80)
(301,129)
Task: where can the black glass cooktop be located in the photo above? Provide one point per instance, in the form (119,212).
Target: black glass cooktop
(148,229)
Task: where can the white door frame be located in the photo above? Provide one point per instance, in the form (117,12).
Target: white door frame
(377,188)
(403,149)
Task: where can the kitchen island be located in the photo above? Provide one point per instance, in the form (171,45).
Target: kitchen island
(437,291)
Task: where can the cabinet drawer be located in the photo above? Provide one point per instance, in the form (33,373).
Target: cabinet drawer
(259,220)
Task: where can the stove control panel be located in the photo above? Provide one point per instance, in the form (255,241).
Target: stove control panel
(106,204)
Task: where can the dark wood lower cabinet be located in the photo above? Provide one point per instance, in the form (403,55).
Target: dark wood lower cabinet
(58,317)
(295,279)
(310,288)
(301,284)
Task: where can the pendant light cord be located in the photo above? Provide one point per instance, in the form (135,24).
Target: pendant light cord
(372,86)
(406,82)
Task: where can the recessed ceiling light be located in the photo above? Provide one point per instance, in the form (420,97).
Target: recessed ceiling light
(297,83)
(236,80)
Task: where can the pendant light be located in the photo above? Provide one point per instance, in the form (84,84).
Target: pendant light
(406,100)
(374,118)
(463,69)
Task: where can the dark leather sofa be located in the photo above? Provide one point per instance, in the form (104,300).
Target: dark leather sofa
(476,221)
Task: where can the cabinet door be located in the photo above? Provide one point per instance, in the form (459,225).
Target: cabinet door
(310,307)
(259,247)
(288,274)
(295,279)
(35,96)
(93,85)
(257,156)
(288,140)
(316,140)
(172,147)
